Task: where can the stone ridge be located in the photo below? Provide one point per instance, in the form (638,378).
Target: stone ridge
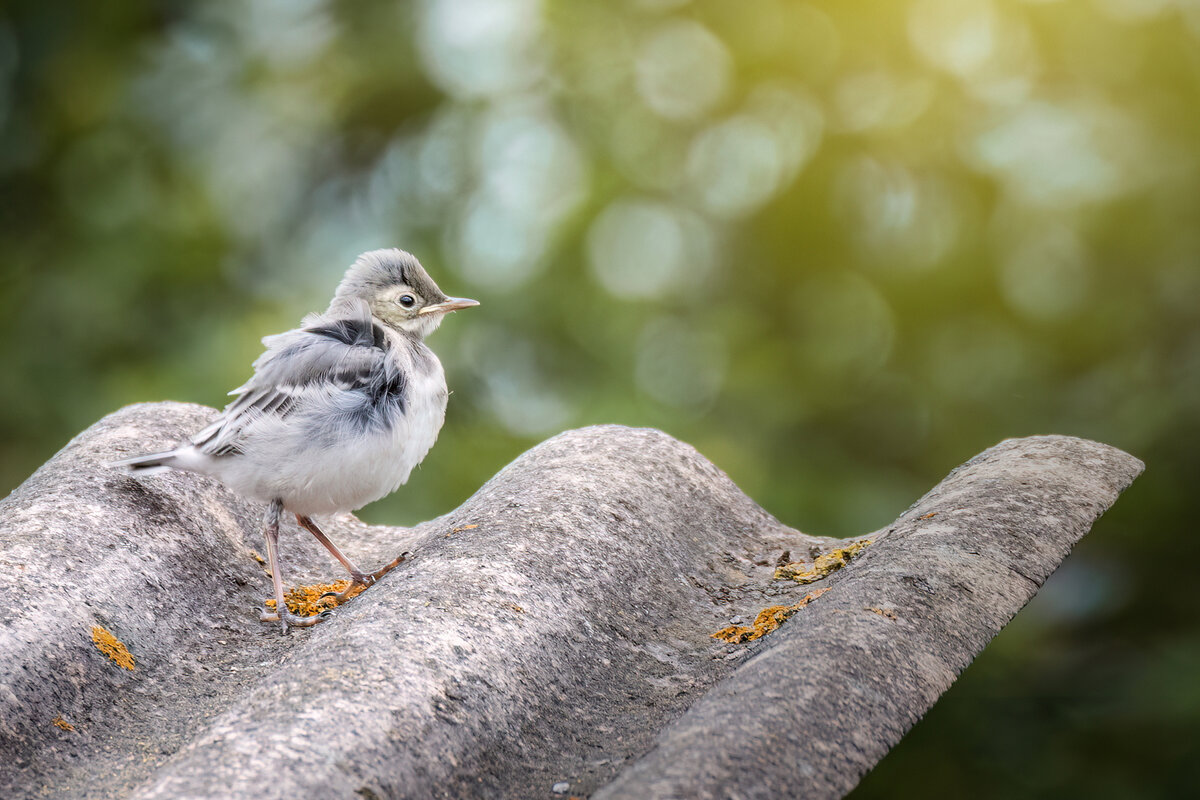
(557,627)
(843,682)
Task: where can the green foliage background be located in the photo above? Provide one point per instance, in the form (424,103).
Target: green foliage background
(839,247)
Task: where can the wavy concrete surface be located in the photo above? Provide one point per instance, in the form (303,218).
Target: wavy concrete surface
(554,629)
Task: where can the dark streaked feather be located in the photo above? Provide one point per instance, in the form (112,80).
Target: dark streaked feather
(149,463)
(350,354)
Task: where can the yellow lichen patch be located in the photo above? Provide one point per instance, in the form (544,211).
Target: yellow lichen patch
(112,647)
(462,528)
(306,601)
(62,723)
(262,562)
(767,620)
(801,572)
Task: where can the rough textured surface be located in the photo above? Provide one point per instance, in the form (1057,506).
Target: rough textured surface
(839,685)
(554,629)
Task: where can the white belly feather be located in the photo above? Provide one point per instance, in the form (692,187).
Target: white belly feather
(345,469)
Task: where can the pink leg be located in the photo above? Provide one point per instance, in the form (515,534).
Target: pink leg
(281,613)
(358,578)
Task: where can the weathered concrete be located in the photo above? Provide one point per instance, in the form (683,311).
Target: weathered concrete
(556,627)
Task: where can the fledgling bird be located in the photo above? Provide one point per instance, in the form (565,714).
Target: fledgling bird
(338,411)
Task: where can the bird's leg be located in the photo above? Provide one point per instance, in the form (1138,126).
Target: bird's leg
(358,578)
(281,613)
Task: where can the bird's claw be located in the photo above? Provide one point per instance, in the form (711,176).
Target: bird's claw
(386,568)
(361,581)
(289,620)
(358,585)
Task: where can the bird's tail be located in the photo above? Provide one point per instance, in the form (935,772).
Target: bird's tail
(147,464)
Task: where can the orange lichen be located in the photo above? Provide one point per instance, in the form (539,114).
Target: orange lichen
(513,607)
(767,620)
(62,723)
(306,601)
(930,515)
(883,612)
(462,528)
(112,647)
(800,572)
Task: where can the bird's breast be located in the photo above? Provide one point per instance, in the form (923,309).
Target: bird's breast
(368,461)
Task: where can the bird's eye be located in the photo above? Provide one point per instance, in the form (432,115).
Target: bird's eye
(407,300)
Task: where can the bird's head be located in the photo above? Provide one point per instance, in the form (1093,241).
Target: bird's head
(398,291)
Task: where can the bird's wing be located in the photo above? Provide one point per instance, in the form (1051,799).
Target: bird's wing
(344,353)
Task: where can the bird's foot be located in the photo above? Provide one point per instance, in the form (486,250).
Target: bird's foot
(361,581)
(386,568)
(287,619)
(358,585)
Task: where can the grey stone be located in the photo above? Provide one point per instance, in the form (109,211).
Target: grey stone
(557,624)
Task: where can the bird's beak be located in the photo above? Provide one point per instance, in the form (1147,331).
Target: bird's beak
(451,304)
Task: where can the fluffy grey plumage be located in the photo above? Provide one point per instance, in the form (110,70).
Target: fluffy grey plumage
(377,270)
(339,411)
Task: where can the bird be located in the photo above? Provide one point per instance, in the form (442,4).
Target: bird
(336,415)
